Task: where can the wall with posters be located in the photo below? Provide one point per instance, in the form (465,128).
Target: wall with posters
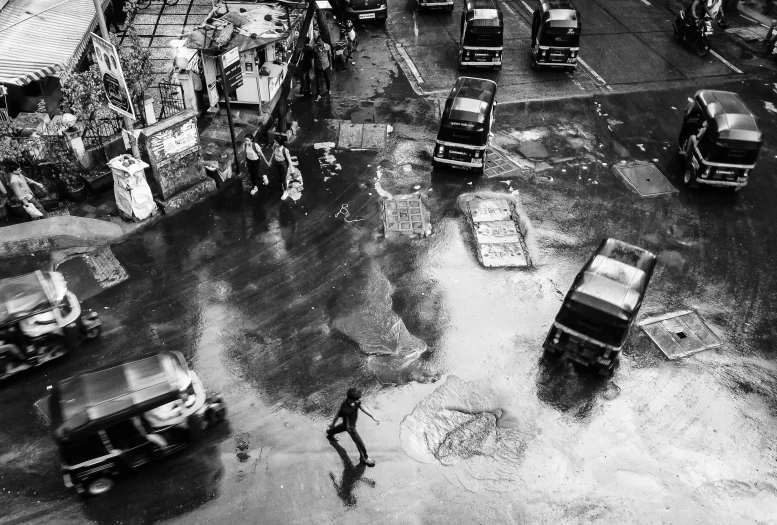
(173,150)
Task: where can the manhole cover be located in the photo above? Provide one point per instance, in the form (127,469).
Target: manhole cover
(497,165)
(503,254)
(680,334)
(489,210)
(644,178)
(404,215)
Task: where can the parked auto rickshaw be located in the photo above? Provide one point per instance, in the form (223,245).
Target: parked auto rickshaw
(555,35)
(40,320)
(465,126)
(602,304)
(108,421)
(719,140)
(482,35)
(422,5)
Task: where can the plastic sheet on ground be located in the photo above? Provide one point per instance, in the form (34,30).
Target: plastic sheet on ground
(462,426)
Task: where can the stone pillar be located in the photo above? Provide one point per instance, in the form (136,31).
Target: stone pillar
(189,95)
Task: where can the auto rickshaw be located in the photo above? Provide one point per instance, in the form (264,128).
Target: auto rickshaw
(602,304)
(720,140)
(422,5)
(465,126)
(40,320)
(482,35)
(108,421)
(555,35)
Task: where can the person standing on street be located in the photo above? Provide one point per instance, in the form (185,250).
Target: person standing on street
(349,411)
(280,160)
(18,183)
(308,58)
(253,154)
(323,63)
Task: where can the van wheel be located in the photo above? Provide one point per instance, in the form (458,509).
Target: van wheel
(100,486)
(689,178)
(93,332)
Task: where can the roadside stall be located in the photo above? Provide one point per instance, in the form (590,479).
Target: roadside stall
(265,36)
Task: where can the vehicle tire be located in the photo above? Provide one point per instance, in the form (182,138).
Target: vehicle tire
(571,70)
(57,349)
(534,65)
(214,417)
(497,68)
(94,332)
(689,178)
(99,486)
(703,46)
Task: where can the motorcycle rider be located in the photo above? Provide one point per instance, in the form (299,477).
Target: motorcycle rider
(698,8)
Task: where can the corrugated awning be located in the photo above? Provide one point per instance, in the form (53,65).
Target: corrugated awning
(40,37)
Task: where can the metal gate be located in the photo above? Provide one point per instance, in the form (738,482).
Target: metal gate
(171,99)
(102,126)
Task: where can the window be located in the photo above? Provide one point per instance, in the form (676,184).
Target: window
(124,435)
(88,449)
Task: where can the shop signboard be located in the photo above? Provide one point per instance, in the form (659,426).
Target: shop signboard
(233,73)
(115,86)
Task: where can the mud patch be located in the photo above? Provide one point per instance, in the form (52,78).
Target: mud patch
(461,426)
(242,442)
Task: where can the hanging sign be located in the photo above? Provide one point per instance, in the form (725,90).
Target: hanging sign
(113,78)
(233,73)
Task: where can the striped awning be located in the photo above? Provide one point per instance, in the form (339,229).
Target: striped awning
(39,38)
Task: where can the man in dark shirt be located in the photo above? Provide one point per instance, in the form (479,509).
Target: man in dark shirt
(308,56)
(323,65)
(349,411)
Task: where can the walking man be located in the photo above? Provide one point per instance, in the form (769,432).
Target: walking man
(349,411)
(308,57)
(323,63)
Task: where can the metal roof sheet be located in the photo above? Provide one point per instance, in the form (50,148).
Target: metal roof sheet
(40,37)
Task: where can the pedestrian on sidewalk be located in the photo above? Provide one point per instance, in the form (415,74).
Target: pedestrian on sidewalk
(323,64)
(349,411)
(280,161)
(19,185)
(308,58)
(253,156)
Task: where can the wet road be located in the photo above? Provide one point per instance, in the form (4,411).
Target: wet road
(476,428)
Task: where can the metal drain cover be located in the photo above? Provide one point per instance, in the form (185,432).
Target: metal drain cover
(404,216)
(644,178)
(680,334)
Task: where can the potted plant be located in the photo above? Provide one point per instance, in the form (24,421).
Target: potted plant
(75,188)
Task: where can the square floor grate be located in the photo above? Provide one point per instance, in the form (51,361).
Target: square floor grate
(644,178)
(403,215)
(680,334)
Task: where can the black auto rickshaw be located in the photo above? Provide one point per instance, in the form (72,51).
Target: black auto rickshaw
(465,126)
(555,35)
(602,304)
(422,5)
(482,35)
(113,419)
(719,140)
(40,320)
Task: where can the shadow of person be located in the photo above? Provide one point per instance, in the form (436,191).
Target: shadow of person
(352,474)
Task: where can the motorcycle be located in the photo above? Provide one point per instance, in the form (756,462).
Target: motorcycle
(341,54)
(695,33)
(350,37)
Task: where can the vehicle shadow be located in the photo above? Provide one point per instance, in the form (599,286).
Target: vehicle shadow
(571,389)
(164,489)
(352,474)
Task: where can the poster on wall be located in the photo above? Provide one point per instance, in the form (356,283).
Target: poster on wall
(112,77)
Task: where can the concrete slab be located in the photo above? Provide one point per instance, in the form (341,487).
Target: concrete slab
(644,178)
(680,334)
(496,232)
(482,210)
(56,232)
(533,149)
(374,136)
(750,33)
(502,255)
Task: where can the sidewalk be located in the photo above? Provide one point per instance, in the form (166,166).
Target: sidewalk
(753,36)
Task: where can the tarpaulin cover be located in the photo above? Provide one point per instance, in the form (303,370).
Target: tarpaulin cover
(130,188)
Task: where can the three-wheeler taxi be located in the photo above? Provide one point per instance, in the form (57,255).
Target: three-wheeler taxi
(108,421)
(465,126)
(602,304)
(719,140)
(555,35)
(423,5)
(482,35)
(40,320)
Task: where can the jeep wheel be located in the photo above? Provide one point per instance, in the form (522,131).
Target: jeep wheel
(689,178)
(99,486)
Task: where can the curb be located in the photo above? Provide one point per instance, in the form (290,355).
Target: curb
(56,233)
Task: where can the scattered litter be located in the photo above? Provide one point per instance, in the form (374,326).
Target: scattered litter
(604,164)
(655,160)
(469,184)
(370,194)
(563,171)
(640,146)
(585,167)
(674,107)
(416,187)
(345,213)
(389,128)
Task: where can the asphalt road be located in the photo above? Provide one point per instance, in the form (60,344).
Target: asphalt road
(252,293)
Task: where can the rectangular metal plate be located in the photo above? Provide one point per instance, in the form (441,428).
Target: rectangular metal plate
(350,136)
(374,136)
(680,334)
(501,255)
(489,210)
(499,166)
(496,232)
(644,178)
